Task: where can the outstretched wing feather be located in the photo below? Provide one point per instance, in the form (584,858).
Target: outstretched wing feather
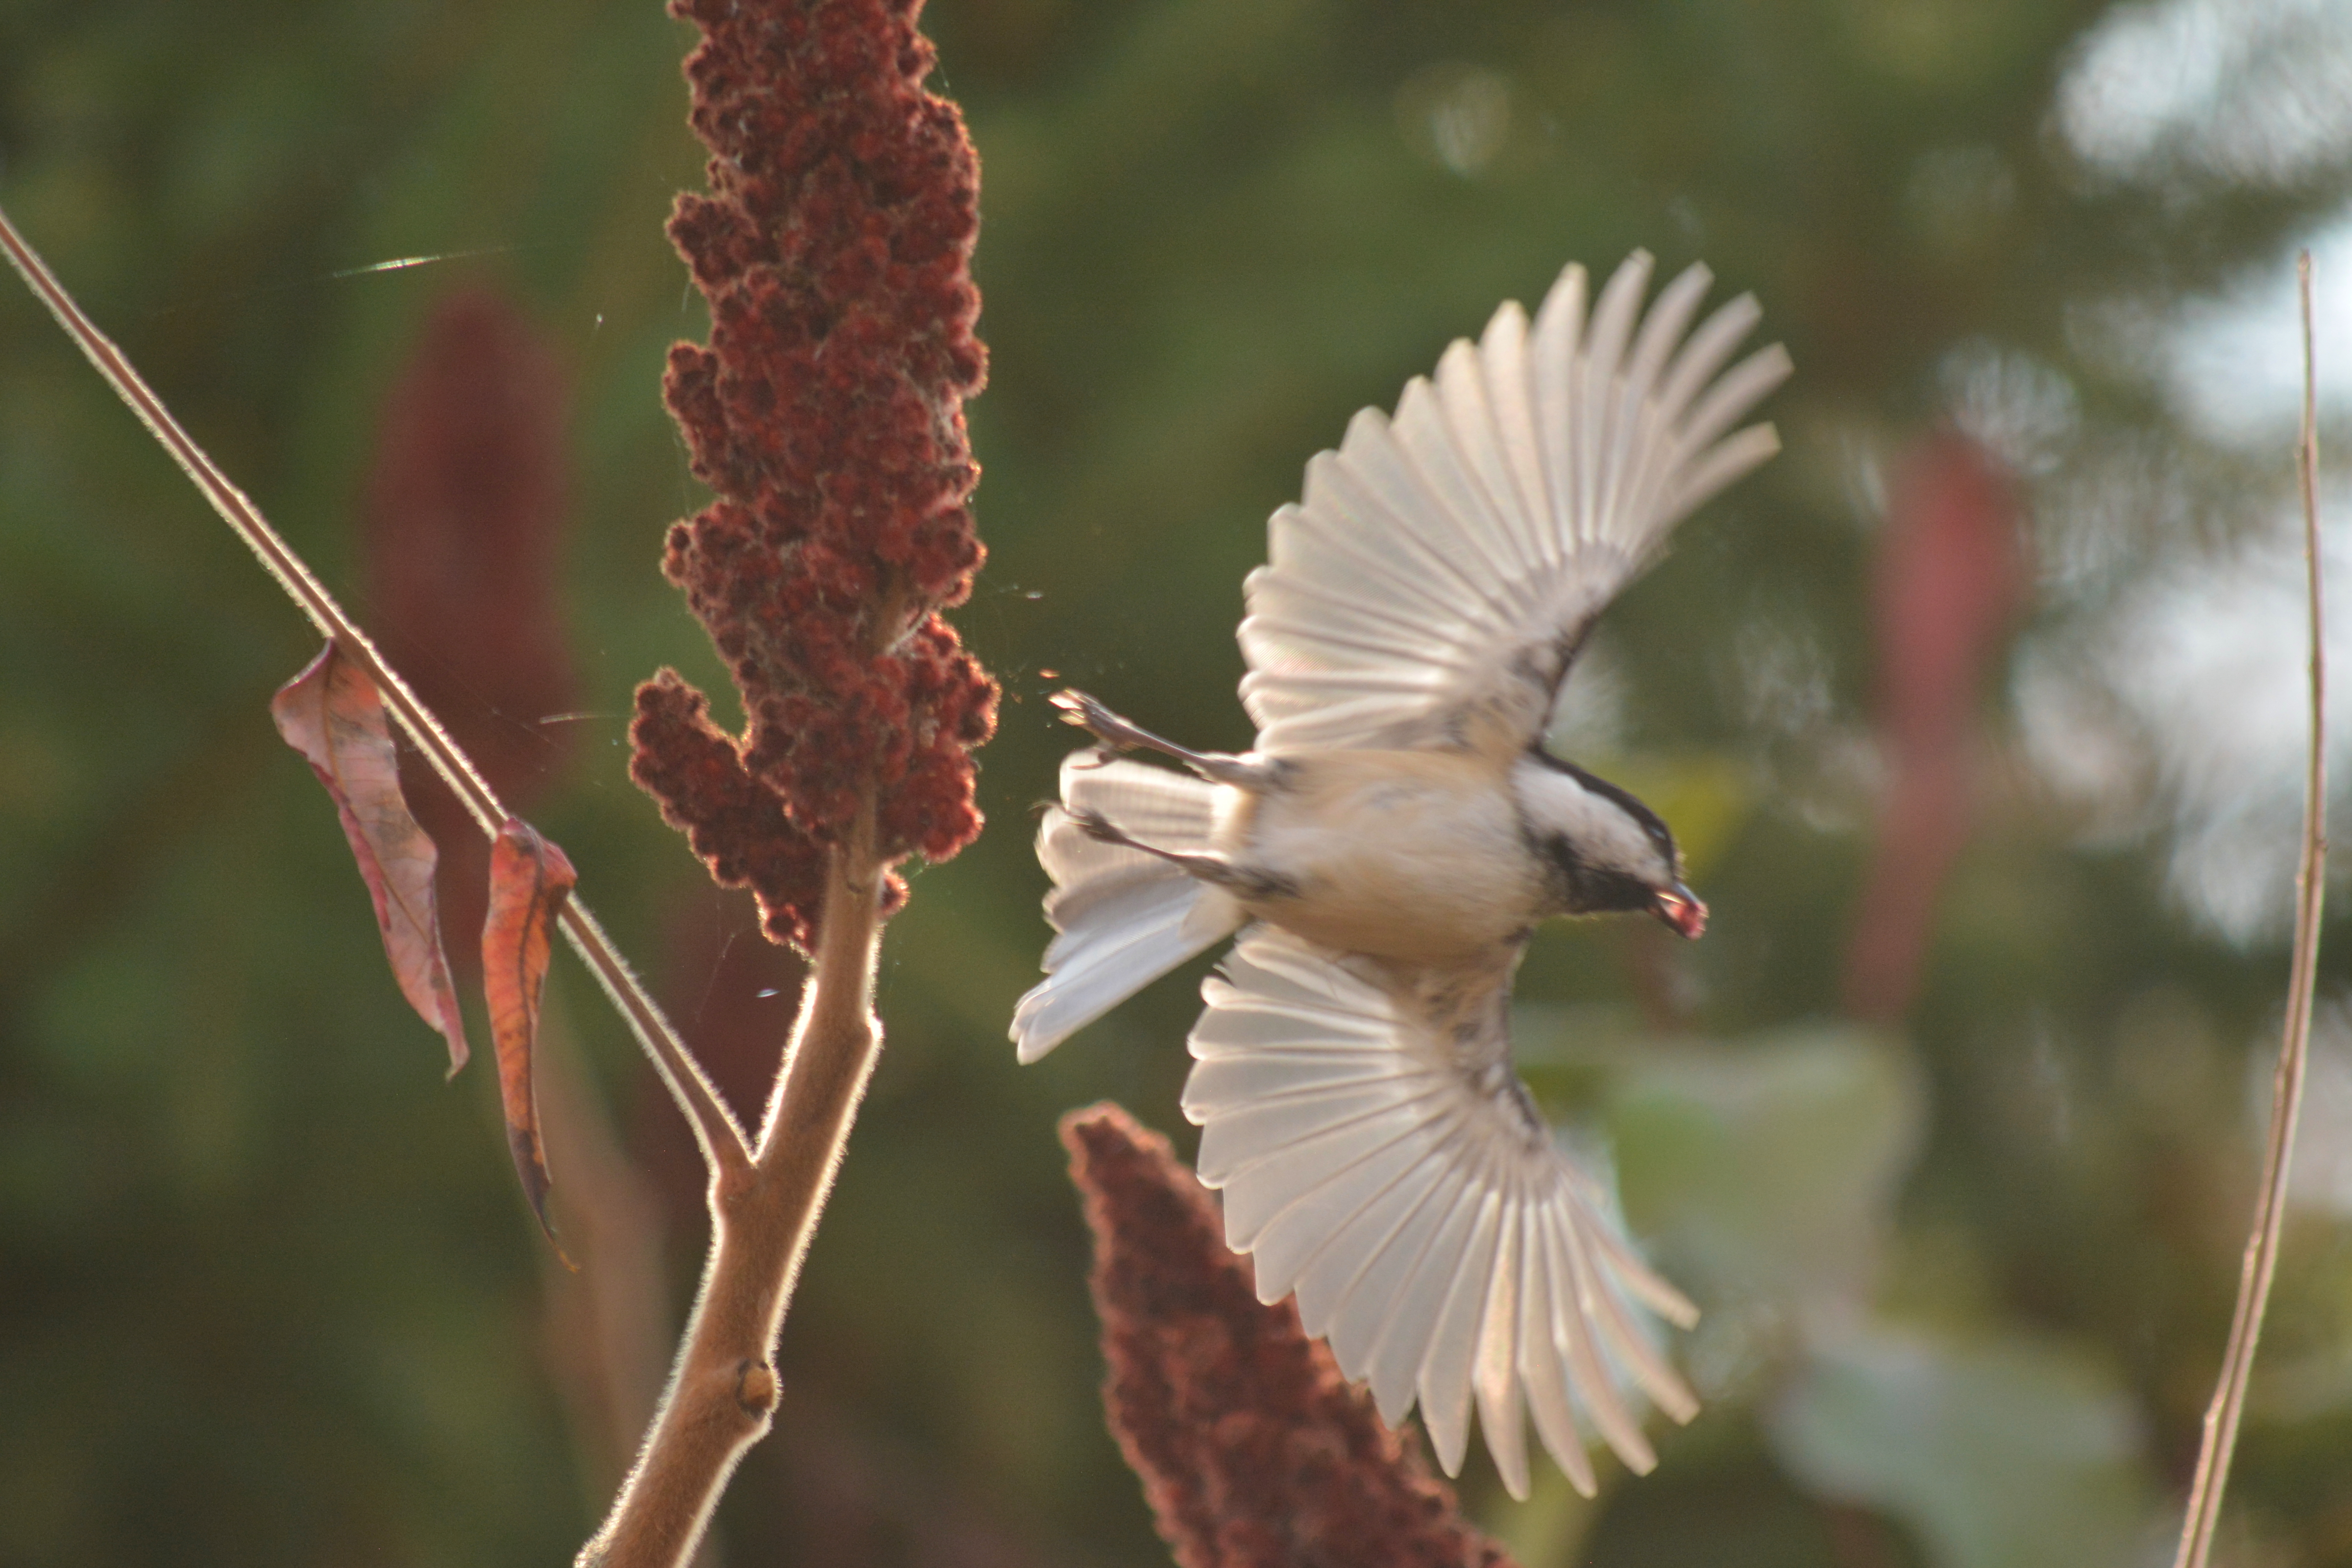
(1432,1230)
(1321,1219)
(1442,565)
(1541,1372)
(1348,1253)
(1448,1342)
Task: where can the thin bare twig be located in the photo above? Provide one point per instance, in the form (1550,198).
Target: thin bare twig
(715,1128)
(2286,1089)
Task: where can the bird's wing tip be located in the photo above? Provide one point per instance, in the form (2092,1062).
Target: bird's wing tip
(1032,1038)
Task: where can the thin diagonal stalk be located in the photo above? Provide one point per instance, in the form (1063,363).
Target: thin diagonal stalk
(715,1128)
(2222,1417)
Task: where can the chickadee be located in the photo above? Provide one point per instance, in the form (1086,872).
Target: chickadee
(1387,847)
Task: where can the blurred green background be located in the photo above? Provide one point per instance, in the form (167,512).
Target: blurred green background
(1966,1225)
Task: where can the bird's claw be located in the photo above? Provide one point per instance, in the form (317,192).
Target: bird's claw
(1088,713)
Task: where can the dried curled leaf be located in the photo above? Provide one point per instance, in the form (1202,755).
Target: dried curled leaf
(332,714)
(529,879)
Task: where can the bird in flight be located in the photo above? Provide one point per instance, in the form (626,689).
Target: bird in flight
(1389,845)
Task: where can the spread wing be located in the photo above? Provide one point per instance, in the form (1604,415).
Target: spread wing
(1434,581)
(1378,1155)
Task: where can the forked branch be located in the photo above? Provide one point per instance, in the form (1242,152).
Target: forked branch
(827,416)
(724,1389)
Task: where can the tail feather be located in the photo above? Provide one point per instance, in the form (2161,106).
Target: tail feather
(1124,918)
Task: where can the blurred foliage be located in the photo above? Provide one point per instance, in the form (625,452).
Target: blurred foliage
(1996,1454)
(266,1293)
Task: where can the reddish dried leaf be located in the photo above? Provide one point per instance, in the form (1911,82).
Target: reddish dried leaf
(332,715)
(529,879)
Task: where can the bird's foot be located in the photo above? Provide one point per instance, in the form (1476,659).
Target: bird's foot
(1114,734)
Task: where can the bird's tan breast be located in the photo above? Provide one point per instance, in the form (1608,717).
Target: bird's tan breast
(1412,856)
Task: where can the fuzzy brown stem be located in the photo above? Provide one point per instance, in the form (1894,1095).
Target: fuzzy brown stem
(723,1391)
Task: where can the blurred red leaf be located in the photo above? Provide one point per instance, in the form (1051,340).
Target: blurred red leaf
(529,879)
(1949,578)
(332,715)
(463,534)
(461,541)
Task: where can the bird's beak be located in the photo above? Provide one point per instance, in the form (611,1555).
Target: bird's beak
(1680,908)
